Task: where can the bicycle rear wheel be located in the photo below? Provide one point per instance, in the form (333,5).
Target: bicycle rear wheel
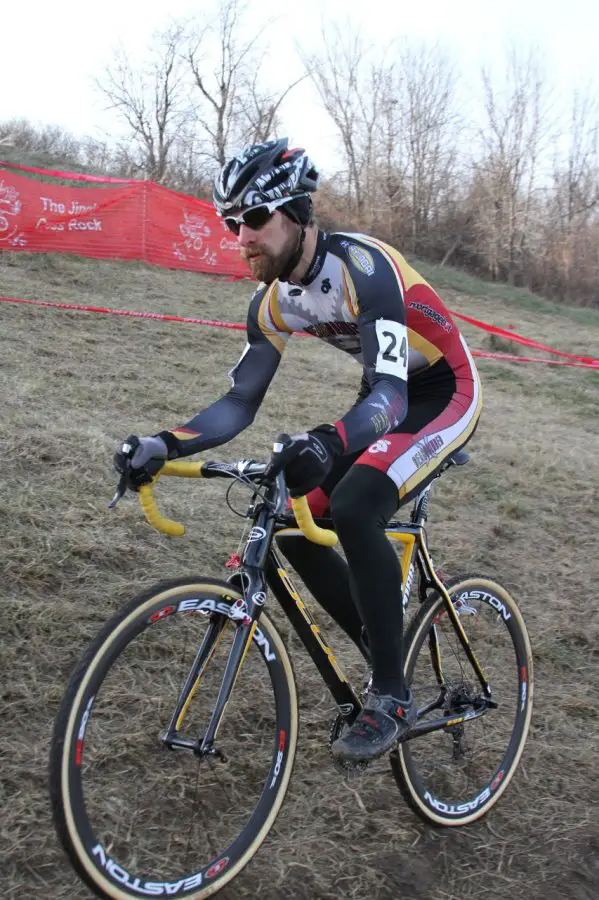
(454,775)
(139,819)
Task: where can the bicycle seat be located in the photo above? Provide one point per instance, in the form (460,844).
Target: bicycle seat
(459,458)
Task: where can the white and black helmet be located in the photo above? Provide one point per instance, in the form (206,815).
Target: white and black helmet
(261,173)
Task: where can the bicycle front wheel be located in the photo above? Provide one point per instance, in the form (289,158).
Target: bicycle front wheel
(137,817)
(454,775)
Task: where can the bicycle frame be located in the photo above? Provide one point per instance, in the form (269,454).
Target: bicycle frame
(415,553)
(312,638)
(262,567)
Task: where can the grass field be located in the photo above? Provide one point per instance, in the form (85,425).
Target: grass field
(524,510)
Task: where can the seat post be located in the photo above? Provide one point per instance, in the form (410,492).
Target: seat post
(420,508)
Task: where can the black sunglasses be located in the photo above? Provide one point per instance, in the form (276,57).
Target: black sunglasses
(256,217)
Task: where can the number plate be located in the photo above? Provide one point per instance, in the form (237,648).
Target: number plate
(392,358)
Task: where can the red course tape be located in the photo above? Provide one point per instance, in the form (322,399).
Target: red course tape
(517,338)
(72,176)
(585,362)
(146,221)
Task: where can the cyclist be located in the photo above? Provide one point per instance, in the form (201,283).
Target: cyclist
(418,402)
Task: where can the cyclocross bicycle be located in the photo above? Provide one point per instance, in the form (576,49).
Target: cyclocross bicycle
(173,748)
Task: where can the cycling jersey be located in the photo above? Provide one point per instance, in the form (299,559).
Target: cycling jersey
(362,297)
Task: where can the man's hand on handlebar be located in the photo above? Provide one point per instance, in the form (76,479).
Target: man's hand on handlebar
(306,458)
(139,459)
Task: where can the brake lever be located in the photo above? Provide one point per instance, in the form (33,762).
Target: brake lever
(270,470)
(121,488)
(277,446)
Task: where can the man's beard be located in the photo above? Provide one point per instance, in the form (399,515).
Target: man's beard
(266,266)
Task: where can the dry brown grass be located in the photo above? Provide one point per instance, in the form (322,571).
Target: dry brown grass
(524,511)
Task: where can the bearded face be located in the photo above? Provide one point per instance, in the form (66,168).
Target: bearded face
(269,250)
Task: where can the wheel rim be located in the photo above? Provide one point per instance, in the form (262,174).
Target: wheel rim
(146,815)
(457,773)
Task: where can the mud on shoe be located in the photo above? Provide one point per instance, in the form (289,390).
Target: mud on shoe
(382,723)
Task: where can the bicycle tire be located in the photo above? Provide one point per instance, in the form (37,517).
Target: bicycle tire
(89,696)
(413,761)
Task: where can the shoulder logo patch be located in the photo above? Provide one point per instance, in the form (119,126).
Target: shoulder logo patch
(361,259)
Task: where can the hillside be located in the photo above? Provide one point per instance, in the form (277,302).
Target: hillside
(73,384)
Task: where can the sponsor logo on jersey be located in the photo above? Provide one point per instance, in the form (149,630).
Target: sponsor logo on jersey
(431,314)
(343,335)
(360,257)
(331,329)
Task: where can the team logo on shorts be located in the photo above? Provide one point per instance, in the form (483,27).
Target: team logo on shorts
(380,447)
(426,449)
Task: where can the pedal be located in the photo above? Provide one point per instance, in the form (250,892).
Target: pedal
(348,769)
(215,753)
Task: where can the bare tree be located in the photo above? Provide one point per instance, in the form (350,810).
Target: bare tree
(576,179)
(198,93)
(395,115)
(230,106)
(571,214)
(50,140)
(512,141)
(152,102)
(258,110)
(97,155)
(350,86)
(190,165)
(421,128)
(392,174)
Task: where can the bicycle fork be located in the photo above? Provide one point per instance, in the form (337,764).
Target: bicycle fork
(245,626)
(244,613)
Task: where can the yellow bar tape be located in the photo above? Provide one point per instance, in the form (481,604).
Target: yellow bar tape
(182,469)
(154,516)
(303,517)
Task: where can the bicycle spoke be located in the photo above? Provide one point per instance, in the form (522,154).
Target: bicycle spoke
(163,810)
(452,772)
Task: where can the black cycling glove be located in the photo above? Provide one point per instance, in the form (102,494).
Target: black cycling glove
(307,458)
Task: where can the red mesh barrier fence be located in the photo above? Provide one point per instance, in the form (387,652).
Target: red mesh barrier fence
(118,220)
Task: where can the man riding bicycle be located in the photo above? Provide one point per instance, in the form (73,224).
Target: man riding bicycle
(419,401)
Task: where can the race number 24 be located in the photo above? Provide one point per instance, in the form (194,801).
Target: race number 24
(392,358)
